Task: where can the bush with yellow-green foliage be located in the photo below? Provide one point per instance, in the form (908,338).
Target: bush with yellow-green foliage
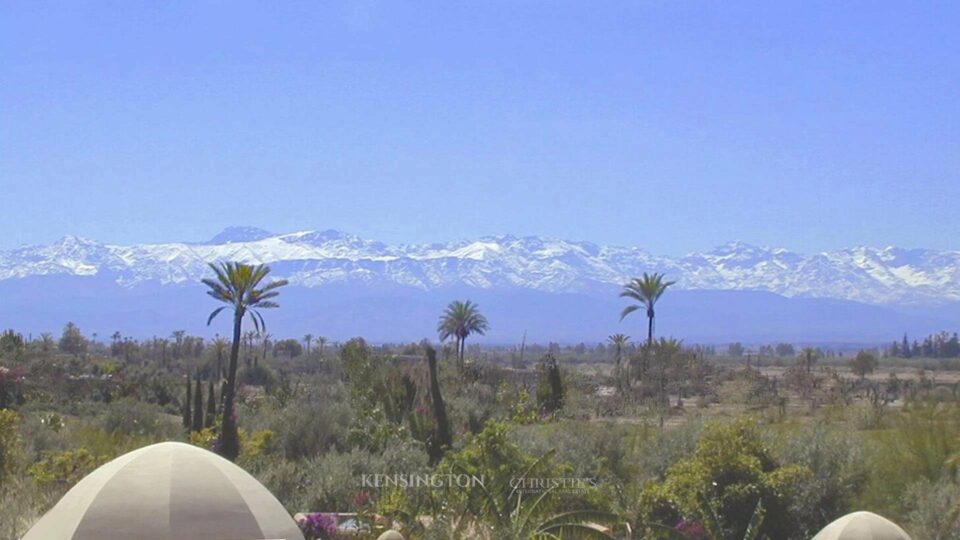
(257,446)
(205,438)
(9,443)
(65,468)
(253,447)
(731,471)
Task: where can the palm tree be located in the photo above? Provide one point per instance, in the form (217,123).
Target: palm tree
(646,290)
(321,341)
(177,336)
(666,352)
(459,320)
(46,342)
(267,344)
(220,347)
(809,356)
(308,339)
(239,286)
(618,341)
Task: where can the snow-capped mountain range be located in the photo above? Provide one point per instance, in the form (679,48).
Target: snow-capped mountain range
(891,275)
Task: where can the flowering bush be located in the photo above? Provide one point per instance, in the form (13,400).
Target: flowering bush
(319,526)
(691,529)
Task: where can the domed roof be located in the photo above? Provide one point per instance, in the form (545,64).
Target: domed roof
(862,526)
(167,491)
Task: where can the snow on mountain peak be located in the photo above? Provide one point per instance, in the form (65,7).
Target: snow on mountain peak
(312,258)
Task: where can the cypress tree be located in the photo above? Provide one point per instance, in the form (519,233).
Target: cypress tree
(197,423)
(444,438)
(211,406)
(187,416)
(550,388)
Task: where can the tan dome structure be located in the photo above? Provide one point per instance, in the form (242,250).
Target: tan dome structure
(390,535)
(862,526)
(167,491)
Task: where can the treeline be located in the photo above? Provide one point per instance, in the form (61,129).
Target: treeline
(781,350)
(940,345)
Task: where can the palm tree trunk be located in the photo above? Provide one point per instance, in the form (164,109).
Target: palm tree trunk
(649,326)
(229,443)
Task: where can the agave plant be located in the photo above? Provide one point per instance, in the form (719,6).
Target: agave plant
(518,518)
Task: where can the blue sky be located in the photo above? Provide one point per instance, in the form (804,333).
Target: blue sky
(675,126)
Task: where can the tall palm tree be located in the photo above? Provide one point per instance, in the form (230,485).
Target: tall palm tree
(459,320)
(646,290)
(308,339)
(239,286)
(321,341)
(618,341)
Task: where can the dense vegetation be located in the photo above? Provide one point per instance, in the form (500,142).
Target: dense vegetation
(648,440)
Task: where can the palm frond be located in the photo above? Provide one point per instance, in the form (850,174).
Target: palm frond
(526,472)
(274,285)
(628,310)
(214,314)
(584,516)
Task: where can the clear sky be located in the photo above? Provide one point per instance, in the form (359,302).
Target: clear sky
(674,126)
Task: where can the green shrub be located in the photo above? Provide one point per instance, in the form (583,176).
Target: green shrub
(308,428)
(23,502)
(130,417)
(730,472)
(595,450)
(838,472)
(258,375)
(932,509)
(919,445)
(658,452)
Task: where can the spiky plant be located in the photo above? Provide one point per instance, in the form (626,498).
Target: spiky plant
(518,518)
